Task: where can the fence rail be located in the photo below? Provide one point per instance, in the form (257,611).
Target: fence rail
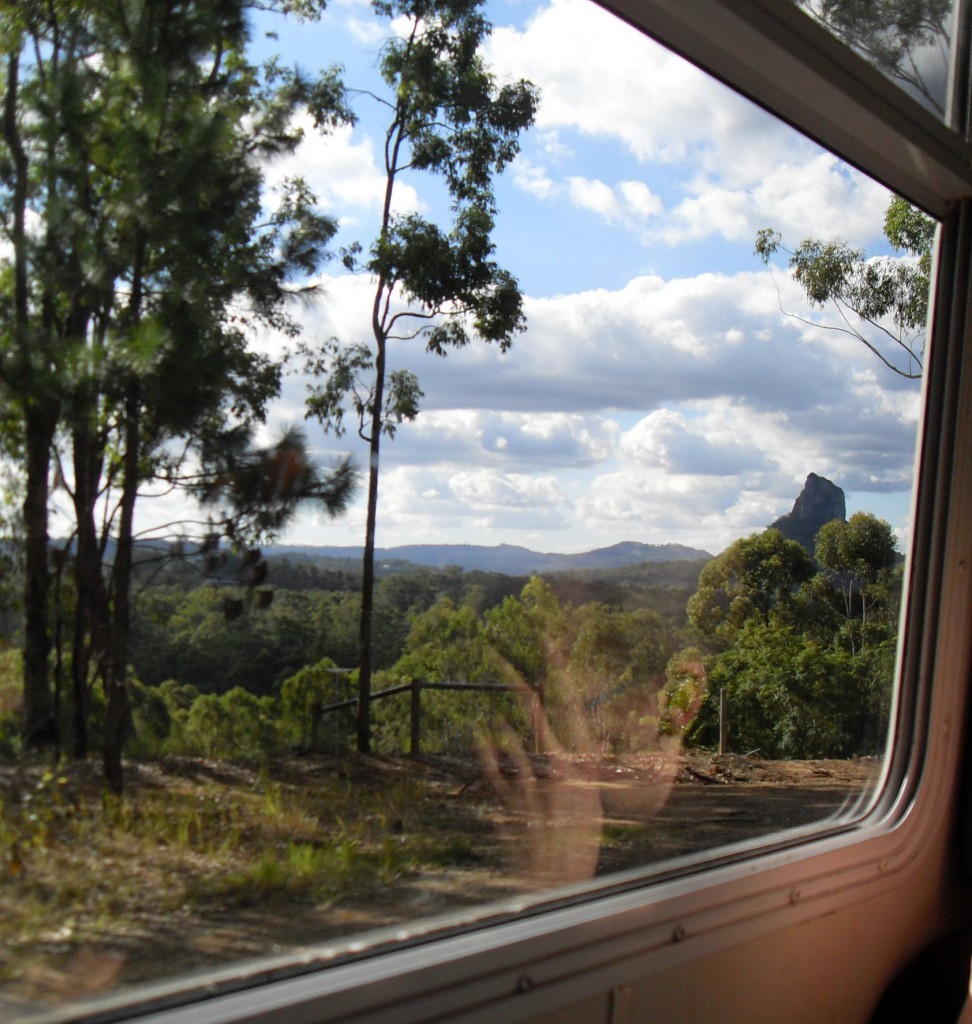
(415,688)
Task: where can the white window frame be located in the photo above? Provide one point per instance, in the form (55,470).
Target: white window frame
(596,950)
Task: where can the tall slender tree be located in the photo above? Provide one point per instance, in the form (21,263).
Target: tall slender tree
(447,116)
(47,51)
(141,157)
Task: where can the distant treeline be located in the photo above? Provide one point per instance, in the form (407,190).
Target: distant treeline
(240,657)
(182,630)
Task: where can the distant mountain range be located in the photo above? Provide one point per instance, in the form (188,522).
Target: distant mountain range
(508,559)
(818,503)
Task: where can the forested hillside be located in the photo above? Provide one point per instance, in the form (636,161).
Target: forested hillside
(216,634)
(802,645)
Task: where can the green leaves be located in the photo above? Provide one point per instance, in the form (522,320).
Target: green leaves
(804,652)
(755,577)
(262,487)
(881,302)
(348,381)
(863,545)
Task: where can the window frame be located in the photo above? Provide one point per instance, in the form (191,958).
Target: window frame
(595,946)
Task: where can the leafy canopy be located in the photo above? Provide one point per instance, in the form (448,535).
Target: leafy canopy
(882,302)
(447,116)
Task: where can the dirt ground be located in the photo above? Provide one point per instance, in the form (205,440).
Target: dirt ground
(528,825)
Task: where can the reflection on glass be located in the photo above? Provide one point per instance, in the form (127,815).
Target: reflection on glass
(907,40)
(592,657)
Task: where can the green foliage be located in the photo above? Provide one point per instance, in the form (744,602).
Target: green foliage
(859,557)
(152,719)
(446,644)
(178,699)
(260,489)
(11,701)
(189,637)
(234,726)
(806,657)
(755,577)
(817,683)
(863,546)
(686,687)
(523,630)
(347,372)
(787,697)
(128,305)
(302,698)
(880,302)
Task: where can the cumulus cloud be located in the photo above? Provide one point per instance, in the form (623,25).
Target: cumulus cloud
(600,80)
(599,77)
(678,404)
(687,410)
(341,168)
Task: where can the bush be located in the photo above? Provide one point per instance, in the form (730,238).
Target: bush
(302,698)
(11,702)
(236,726)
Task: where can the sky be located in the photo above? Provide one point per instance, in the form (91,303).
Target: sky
(660,393)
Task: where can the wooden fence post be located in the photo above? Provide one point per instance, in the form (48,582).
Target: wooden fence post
(723,715)
(415,741)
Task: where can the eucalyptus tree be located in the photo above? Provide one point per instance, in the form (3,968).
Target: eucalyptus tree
(881,302)
(141,159)
(856,557)
(446,115)
(755,579)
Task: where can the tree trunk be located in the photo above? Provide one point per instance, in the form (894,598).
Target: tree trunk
(368,560)
(39,727)
(117,712)
(40,422)
(91,621)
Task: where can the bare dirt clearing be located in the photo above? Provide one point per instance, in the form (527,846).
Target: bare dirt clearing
(204,863)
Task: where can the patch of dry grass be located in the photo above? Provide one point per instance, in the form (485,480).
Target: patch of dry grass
(194,840)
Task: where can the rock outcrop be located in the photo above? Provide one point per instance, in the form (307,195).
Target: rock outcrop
(819,502)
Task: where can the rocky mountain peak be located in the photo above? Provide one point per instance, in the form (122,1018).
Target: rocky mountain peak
(819,502)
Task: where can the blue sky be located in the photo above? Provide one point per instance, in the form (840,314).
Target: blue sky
(658,394)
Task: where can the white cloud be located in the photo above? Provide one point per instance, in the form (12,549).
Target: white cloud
(514,441)
(640,199)
(682,405)
(601,81)
(594,195)
(533,179)
(366,30)
(486,490)
(341,169)
(630,203)
(685,410)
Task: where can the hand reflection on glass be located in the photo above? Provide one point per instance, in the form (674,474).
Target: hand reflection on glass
(560,802)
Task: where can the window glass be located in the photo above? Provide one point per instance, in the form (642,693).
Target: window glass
(907,40)
(638,573)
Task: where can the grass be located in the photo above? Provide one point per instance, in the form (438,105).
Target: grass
(191,840)
(202,863)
